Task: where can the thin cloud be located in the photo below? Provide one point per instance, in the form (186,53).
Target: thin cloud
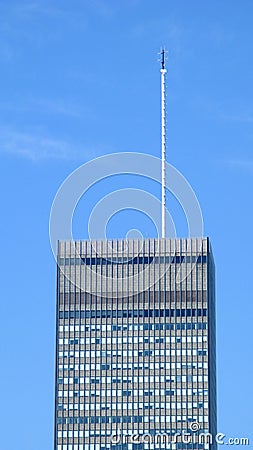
(245,165)
(29,9)
(104,9)
(33,21)
(59,107)
(6,52)
(243,118)
(108,10)
(170,30)
(35,146)
(54,107)
(49,106)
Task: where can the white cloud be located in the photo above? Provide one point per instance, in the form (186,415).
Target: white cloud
(38,146)
(59,107)
(39,21)
(29,9)
(245,165)
(165,28)
(35,146)
(243,117)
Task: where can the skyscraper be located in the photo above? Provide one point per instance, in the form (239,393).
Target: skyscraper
(135,352)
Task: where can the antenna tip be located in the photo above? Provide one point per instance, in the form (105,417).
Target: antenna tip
(162,58)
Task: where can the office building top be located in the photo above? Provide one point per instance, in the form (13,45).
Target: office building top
(135,352)
(137,264)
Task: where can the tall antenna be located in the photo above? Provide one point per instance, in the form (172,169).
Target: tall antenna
(163,72)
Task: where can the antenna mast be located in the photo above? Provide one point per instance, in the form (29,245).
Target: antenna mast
(163,72)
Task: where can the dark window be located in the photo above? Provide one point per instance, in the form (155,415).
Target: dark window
(169,392)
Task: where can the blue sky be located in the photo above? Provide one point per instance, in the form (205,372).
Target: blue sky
(79,80)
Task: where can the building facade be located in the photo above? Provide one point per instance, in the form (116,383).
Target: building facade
(135,350)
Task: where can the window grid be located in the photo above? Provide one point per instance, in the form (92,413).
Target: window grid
(138,361)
